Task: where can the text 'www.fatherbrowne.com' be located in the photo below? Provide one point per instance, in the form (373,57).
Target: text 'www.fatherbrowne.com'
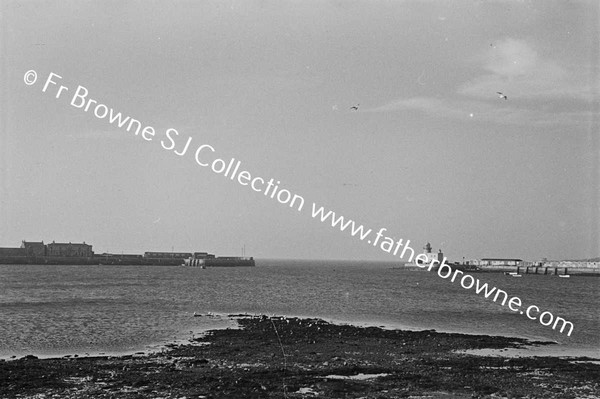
(205,155)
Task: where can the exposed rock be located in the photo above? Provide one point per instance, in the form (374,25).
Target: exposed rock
(277,357)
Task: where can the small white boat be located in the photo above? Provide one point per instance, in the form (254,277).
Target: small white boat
(564,275)
(516,275)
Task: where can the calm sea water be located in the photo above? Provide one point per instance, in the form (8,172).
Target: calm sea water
(57,310)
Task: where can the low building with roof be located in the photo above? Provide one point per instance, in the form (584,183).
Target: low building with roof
(500,262)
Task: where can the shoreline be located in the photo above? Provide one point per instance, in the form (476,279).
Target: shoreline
(223,321)
(292,357)
(228,321)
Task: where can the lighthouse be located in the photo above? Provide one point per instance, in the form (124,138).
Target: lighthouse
(427,248)
(427,251)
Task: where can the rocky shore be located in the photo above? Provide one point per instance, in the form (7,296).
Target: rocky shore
(279,357)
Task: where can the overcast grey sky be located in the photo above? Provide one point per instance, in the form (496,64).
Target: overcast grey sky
(432,154)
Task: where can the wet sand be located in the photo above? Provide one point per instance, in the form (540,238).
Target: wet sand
(278,357)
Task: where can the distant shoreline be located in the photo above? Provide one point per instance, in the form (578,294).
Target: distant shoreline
(124,261)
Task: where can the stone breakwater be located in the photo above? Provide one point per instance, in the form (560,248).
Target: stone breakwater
(549,269)
(279,357)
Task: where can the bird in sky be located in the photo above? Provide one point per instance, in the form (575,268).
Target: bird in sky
(355,107)
(502,95)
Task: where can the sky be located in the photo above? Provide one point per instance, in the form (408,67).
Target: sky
(433,153)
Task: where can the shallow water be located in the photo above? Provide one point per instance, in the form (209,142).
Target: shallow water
(55,310)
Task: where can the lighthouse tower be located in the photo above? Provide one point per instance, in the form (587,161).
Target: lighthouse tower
(427,248)
(432,256)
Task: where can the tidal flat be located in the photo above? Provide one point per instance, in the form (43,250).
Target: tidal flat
(284,357)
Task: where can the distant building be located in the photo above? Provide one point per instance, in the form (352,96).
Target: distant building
(169,255)
(33,248)
(203,255)
(572,264)
(69,249)
(500,262)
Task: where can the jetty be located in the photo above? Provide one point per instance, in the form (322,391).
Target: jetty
(508,266)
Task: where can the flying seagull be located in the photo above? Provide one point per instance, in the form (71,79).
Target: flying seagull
(502,95)
(355,107)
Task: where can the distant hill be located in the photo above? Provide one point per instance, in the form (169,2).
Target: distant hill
(584,260)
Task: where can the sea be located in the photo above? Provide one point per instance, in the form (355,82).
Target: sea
(51,311)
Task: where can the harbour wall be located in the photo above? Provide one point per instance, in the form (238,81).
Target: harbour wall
(116,260)
(560,268)
(76,260)
(543,270)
